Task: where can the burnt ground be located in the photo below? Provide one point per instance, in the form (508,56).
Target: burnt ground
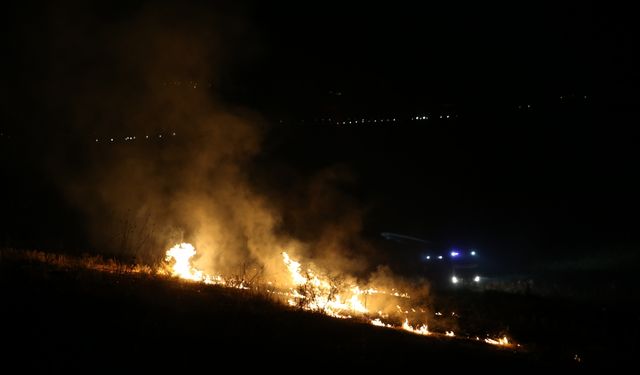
(58,319)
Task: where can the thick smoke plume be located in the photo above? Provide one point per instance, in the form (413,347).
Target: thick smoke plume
(168,161)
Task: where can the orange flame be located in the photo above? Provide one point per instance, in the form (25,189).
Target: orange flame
(504,341)
(311,291)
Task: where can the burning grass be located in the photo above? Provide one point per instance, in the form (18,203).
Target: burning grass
(308,290)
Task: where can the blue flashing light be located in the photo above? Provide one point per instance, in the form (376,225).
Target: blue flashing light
(454,254)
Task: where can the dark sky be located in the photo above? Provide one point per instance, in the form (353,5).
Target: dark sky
(442,53)
(447,53)
(557,180)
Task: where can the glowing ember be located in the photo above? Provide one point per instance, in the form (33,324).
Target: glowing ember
(449,333)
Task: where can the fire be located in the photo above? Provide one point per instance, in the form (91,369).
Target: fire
(504,341)
(294,269)
(317,292)
(312,291)
(379,323)
(182,254)
(320,293)
(422,330)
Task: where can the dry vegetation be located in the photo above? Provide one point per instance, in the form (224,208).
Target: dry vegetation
(72,312)
(93,307)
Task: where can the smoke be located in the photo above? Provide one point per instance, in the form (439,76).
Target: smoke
(168,160)
(165,160)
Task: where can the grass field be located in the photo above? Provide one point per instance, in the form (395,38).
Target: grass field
(61,315)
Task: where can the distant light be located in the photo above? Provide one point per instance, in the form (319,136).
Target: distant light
(439,256)
(455,253)
(174,133)
(447,116)
(454,279)
(473,253)
(428,257)
(476,279)
(111,139)
(96,140)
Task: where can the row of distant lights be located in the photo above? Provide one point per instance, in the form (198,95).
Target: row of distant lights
(562,98)
(453,254)
(361,121)
(132,138)
(383,120)
(426,117)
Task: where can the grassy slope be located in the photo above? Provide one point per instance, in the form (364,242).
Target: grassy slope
(82,319)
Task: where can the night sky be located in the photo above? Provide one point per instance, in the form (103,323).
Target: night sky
(538,162)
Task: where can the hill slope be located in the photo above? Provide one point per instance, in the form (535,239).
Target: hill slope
(82,319)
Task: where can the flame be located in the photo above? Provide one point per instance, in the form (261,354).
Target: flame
(504,341)
(320,293)
(311,291)
(317,292)
(182,254)
(422,330)
(294,269)
(379,323)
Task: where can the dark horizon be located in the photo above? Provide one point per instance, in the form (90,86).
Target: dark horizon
(240,183)
(535,166)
